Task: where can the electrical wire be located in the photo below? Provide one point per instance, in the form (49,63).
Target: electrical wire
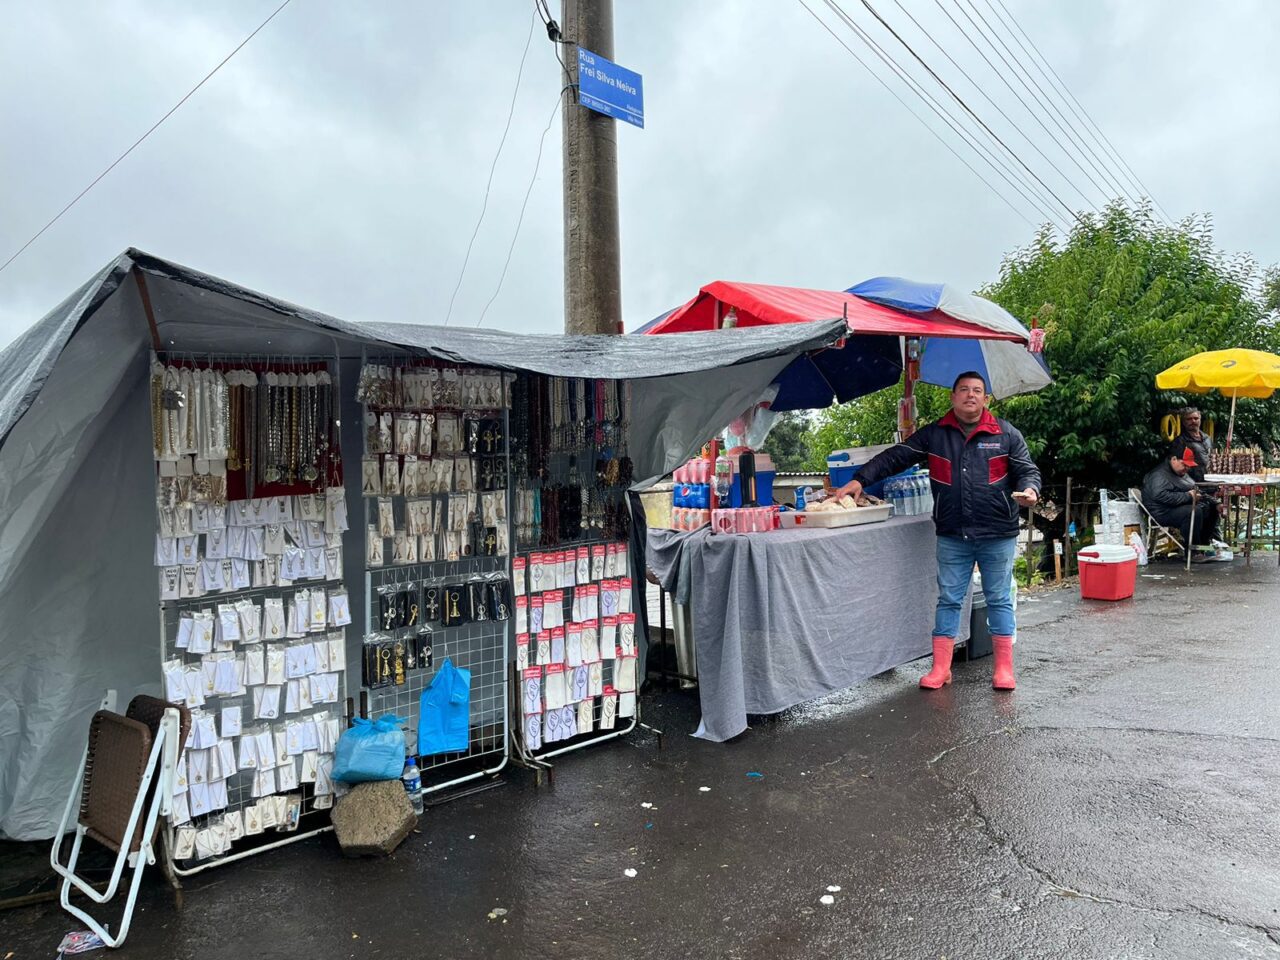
(520,220)
(1017,71)
(995,160)
(1013,177)
(942,140)
(1079,137)
(556,38)
(155,126)
(969,110)
(1082,114)
(979,88)
(492,168)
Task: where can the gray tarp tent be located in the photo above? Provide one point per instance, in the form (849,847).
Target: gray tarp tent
(78,593)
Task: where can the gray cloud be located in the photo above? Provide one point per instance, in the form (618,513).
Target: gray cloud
(340,159)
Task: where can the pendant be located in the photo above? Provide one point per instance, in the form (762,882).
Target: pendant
(271,474)
(310,473)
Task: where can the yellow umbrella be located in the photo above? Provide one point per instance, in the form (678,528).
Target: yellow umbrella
(1233,373)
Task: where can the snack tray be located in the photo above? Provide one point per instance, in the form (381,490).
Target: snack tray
(837,518)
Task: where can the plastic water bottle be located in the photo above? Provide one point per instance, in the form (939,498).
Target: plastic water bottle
(908,496)
(928,493)
(412,781)
(893,493)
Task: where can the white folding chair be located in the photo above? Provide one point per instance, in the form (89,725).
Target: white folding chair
(1158,534)
(123,786)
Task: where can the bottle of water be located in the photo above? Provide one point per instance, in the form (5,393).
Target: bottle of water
(412,781)
(908,497)
(928,492)
(913,496)
(893,493)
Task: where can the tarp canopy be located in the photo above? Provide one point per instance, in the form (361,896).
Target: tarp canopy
(78,593)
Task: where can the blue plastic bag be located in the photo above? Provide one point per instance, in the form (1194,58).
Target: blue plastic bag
(370,750)
(444,720)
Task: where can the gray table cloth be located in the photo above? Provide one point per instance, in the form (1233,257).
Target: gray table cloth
(783,617)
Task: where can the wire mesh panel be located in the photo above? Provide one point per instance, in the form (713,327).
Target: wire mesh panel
(437,507)
(402,662)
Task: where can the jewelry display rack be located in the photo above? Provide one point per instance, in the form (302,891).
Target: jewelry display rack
(404,652)
(277,437)
(571,463)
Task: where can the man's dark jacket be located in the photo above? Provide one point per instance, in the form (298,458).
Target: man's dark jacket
(972,478)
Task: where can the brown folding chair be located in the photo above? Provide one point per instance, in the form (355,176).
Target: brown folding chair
(124,783)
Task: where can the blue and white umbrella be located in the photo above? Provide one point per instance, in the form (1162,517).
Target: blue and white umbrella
(1007,365)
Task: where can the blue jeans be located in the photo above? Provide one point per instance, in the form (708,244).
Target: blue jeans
(994,558)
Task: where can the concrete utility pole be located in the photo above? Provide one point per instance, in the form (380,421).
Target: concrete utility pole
(592,259)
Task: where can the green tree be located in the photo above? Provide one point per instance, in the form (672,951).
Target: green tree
(869,420)
(1123,298)
(788,442)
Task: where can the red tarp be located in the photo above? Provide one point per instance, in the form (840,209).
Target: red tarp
(759,304)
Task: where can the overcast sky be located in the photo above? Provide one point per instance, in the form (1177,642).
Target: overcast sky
(340,159)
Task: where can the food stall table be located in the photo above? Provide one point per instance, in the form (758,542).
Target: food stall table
(783,617)
(1261,496)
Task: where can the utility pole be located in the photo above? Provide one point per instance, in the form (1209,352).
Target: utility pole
(592,259)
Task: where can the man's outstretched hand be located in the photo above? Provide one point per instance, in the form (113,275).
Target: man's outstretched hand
(1027,497)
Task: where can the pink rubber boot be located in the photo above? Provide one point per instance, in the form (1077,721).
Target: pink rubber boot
(940,675)
(1002,650)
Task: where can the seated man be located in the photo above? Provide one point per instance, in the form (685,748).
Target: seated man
(1173,498)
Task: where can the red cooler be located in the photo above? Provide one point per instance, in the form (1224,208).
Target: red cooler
(1108,572)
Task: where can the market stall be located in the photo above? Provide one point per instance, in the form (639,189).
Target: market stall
(1251,489)
(780,616)
(216,496)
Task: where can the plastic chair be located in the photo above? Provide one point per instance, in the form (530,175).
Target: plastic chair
(123,786)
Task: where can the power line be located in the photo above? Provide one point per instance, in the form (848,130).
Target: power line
(959,100)
(1069,99)
(537,163)
(942,140)
(1024,187)
(172,110)
(979,88)
(492,168)
(1018,71)
(969,110)
(1080,137)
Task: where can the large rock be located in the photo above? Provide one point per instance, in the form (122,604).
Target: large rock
(372,819)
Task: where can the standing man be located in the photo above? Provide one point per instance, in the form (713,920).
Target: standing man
(981,472)
(1192,446)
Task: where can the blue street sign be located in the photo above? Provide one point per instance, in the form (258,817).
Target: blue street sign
(607,88)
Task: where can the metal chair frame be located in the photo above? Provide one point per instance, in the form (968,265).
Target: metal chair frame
(147,808)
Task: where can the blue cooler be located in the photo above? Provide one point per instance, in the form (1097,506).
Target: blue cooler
(843,466)
(765,473)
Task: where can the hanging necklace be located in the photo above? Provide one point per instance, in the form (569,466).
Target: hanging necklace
(157,415)
(293,436)
(271,470)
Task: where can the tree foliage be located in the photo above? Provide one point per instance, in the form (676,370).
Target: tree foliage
(869,420)
(1120,300)
(788,442)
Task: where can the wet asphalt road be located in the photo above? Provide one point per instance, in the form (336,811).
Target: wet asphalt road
(1121,804)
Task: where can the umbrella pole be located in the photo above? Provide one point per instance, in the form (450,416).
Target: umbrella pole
(1191,532)
(1231,423)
